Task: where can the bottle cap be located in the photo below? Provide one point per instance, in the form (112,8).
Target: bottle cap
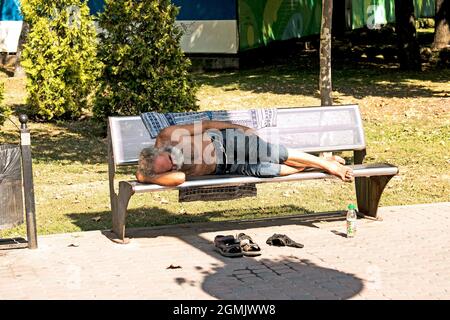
(351,207)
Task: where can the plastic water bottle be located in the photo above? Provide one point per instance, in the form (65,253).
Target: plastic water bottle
(351,221)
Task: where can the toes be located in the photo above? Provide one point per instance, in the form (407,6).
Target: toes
(349,175)
(348,178)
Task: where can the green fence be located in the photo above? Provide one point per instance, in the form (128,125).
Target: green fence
(372,12)
(263,21)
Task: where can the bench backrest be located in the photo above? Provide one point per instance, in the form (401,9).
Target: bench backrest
(310,129)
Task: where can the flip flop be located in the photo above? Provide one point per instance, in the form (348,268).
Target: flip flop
(282,240)
(228,246)
(249,248)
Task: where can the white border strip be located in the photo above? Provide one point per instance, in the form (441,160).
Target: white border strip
(209,36)
(9,35)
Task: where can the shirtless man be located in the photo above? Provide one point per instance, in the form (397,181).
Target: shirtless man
(218,147)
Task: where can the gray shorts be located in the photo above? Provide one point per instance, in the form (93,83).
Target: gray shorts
(241,154)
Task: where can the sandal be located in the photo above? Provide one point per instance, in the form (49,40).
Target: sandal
(249,248)
(282,240)
(228,246)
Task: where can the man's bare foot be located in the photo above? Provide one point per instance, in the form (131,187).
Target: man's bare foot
(335,158)
(340,171)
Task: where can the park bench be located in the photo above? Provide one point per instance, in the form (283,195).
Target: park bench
(310,129)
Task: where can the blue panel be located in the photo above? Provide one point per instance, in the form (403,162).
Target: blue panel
(206,9)
(10,10)
(192,9)
(95,6)
(189,9)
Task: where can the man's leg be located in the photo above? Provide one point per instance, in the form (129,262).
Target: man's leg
(288,170)
(301,159)
(297,164)
(334,158)
(264,169)
(257,148)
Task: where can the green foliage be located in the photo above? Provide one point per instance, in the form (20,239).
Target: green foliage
(59,57)
(5,111)
(144,66)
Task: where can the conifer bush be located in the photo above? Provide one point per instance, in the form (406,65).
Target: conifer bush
(144,68)
(59,57)
(5,111)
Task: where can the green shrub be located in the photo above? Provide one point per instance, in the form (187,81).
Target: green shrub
(5,111)
(59,57)
(144,68)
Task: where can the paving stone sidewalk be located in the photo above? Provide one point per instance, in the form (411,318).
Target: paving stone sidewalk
(405,256)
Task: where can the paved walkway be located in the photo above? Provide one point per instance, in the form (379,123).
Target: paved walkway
(405,256)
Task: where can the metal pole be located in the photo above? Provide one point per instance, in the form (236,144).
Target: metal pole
(28,186)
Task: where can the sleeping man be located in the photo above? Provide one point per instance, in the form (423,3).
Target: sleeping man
(218,147)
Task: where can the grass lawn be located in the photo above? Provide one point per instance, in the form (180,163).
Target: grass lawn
(406,118)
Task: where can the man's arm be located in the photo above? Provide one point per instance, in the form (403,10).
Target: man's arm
(219,125)
(167,179)
(175,132)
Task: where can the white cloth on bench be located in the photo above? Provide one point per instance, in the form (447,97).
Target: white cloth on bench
(154,122)
(253,118)
(186,117)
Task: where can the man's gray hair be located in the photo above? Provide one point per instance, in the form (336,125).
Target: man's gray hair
(146,160)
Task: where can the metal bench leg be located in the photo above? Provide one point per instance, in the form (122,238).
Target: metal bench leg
(368,194)
(119,213)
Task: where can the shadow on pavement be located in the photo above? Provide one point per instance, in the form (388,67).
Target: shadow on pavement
(157,216)
(288,276)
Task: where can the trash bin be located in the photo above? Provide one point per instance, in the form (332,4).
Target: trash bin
(11,194)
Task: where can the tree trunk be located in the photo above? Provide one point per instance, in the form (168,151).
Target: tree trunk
(18,69)
(325,86)
(408,46)
(325,54)
(442,25)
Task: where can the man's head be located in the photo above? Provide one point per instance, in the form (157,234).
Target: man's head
(154,161)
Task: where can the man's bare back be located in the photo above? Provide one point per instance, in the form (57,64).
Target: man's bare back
(194,149)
